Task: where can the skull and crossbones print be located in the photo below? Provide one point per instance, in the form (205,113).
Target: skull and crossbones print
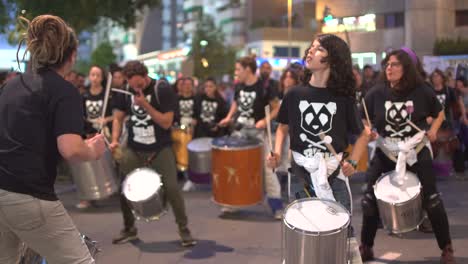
(186,108)
(208,111)
(316,119)
(397,115)
(245,108)
(93,108)
(143,129)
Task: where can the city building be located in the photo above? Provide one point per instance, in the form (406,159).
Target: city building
(374,27)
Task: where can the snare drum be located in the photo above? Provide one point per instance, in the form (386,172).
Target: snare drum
(237,171)
(400,206)
(199,150)
(181,136)
(143,189)
(315,231)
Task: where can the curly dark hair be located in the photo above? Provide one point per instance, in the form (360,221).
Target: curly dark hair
(441,74)
(296,74)
(341,81)
(133,68)
(411,77)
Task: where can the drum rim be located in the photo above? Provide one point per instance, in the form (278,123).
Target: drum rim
(316,233)
(224,147)
(397,203)
(199,139)
(133,171)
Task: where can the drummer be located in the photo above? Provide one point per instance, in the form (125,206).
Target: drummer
(249,103)
(318,113)
(210,108)
(41,118)
(151,112)
(186,103)
(402,98)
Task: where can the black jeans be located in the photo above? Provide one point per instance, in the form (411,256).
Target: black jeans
(423,169)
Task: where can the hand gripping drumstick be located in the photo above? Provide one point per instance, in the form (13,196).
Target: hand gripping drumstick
(268,127)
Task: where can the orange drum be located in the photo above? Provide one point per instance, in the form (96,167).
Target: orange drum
(237,169)
(362,163)
(181,136)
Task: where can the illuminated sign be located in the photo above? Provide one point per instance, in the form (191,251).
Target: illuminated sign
(360,23)
(280,63)
(172,54)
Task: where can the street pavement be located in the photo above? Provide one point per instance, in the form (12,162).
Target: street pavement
(251,236)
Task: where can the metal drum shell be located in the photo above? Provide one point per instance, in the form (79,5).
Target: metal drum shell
(400,217)
(149,209)
(307,247)
(95,180)
(200,161)
(181,136)
(237,173)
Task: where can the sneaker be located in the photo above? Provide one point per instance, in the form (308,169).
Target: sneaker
(367,254)
(125,236)
(278,215)
(83,205)
(188,186)
(447,255)
(186,238)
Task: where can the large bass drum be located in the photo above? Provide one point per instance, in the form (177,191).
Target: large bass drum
(95,180)
(400,206)
(237,171)
(143,189)
(315,231)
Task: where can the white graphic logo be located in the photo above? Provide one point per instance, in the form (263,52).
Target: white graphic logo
(442,98)
(186,108)
(93,108)
(316,119)
(208,111)
(397,115)
(143,129)
(245,108)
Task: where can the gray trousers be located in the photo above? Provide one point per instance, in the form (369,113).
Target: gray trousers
(43,226)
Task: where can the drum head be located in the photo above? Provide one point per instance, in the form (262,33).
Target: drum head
(235,142)
(141,184)
(316,216)
(200,144)
(388,190)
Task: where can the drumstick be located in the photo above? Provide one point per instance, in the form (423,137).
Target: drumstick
(106,99)
(268,127)
(329,146)
(414,125)
(367,114)
(121,91)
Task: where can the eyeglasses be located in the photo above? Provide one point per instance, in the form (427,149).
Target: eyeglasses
(392,64)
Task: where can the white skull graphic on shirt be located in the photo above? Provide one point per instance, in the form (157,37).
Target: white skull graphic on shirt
(93,108)
(245,108)
(143,129)
(316,119)
(186,108)
(397,115)
(208,111)
(442,98)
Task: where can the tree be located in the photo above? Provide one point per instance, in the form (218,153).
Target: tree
(79,14)
(103,55)
(210,56)
(451,46)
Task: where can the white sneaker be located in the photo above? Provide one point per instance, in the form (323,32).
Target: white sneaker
(188,186)
(278,214)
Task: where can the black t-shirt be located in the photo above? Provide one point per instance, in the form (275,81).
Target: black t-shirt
(143,133)
(390,112)
(185,108)
(34,111)
(447,99)
(208,112)
(310,111)
(93,106)
(251,102)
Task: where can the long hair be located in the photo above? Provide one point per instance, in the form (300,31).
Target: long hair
(50,41)
(213,80)
(341,81)
(410,79)
(296,74)
(441,74)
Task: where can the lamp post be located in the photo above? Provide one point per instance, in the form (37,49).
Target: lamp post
(289,30)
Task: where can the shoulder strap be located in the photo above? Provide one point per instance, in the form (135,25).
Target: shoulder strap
(156,85)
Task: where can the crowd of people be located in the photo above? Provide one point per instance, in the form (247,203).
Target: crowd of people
(316,110)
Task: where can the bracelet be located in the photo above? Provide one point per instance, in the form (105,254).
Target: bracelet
(353,163)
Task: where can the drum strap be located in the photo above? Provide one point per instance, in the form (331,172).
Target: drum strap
(392,157)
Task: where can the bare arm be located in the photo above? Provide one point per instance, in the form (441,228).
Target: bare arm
(281,133)
(432,133)
(275,106)
(164,120)
(225,121)
(73,148)
(117,123)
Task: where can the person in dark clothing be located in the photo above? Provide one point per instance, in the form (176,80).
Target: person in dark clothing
(402,98)
(266,80)
(151,111)
(41,119)
(210,108)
